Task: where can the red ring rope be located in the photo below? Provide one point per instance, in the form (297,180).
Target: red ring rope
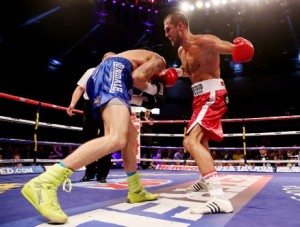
(34,102)
(232,120)
(48,105)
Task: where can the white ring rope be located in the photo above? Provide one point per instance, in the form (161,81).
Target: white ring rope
(240,120)
(229,148)
(50,125)
(43,124)
(276,118)
(222,161)
(21,141)
(230,134)
(11,161)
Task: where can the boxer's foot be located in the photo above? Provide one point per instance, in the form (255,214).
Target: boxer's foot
(199,186)
(213,206)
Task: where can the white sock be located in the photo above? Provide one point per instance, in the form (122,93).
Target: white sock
(214,185)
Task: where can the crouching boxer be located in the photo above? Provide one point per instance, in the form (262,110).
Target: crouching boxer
(110,89)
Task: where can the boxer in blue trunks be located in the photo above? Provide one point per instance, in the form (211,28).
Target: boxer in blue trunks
(110,89)
(111,83)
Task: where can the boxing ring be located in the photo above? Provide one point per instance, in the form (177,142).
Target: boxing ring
(262,195)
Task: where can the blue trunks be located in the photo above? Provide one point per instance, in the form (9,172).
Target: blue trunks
(111,79)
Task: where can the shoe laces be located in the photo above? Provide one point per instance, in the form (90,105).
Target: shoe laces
(67,183)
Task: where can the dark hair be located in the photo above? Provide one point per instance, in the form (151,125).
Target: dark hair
(176,17)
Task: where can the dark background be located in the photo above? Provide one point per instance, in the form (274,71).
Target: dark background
(79,32)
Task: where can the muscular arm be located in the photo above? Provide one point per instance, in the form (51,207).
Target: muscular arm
(223,47)
(143,74)
(241,49)
(216,45)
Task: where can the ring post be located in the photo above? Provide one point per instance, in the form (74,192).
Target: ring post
(184,150)
(35,133)
(244,142)
(184,131)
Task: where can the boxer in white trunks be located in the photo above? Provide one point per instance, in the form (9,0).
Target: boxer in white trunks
(200,58)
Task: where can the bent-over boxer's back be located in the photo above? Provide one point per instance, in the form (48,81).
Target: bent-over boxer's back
(138,57)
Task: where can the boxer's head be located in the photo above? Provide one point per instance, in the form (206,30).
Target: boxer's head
(177,17)
(107,55)
(176,25)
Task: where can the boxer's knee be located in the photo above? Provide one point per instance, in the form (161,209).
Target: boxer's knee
(187,143)
(119,142)
(193,139)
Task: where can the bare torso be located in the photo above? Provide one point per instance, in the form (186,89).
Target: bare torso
(137,57)
(199,62)
(146,64)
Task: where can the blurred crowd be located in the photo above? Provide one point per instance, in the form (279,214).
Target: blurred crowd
(155,156)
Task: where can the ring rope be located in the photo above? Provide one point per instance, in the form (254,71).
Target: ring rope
(22,141)
(9,161)
(230,134)
(34,102)
(43,124)
(43,104)
(243,135)
(292,117)
(224,161)
(48,105)
(229,148)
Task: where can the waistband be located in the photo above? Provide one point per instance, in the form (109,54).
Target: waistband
(122,60)
(207,86)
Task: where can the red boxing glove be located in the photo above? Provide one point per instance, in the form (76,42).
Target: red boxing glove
(169,77)
(242,51)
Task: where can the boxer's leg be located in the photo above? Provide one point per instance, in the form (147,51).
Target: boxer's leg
(41,191)
(199,186)
(136,191)
(218,203)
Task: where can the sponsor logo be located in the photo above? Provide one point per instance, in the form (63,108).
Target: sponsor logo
(117,78)
(197,89)
(288,169)
(20,170)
